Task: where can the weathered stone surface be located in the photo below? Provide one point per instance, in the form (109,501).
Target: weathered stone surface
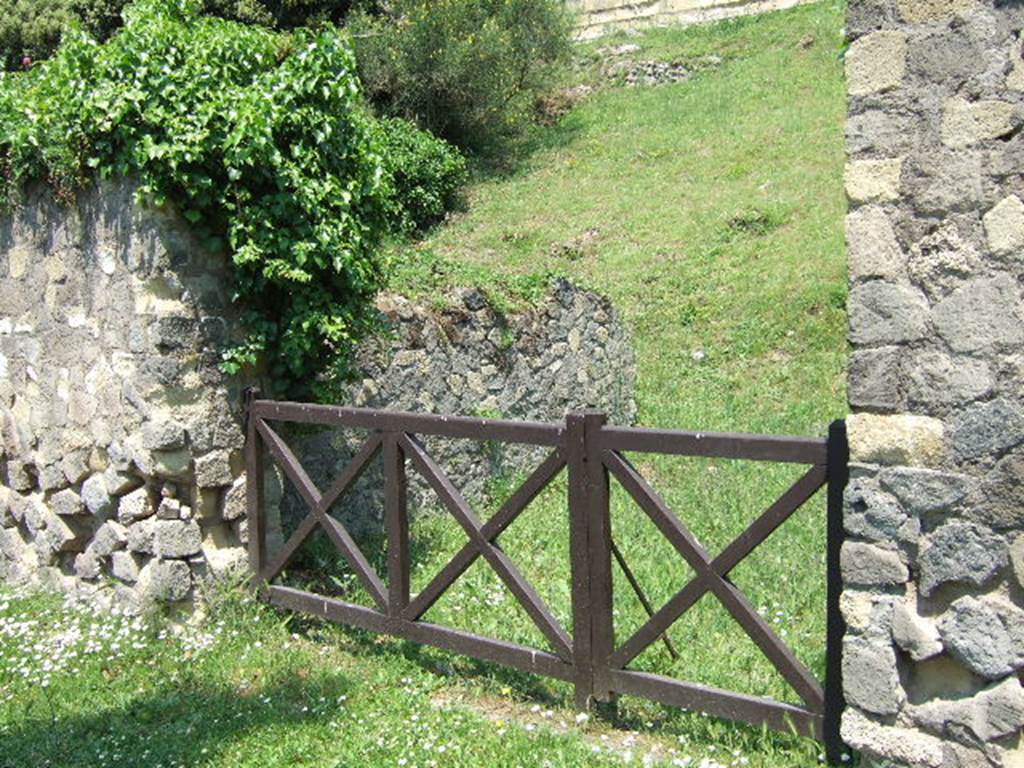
(1017,560)
(916,635)
(995,712)
(141,536)
(867,612)
(988,429)
(937,380)
(169,464)
(983,636)
(902,440)
(873,180)
(137,505)
(982,315)
(965,123)
(876,62)
(110,537)
(877,516)
(963,553)
(924,492)
(125,566)
(169,509)
(214,470)
(165,581)
(177,538)
(875,378)
(871,679)
(1002,494)
(163,435)
(886,313)
(1004,227)
(88,566)
(96,498)
(942,260)
(67,503)
(873,249)
(119,483)
(903,745)
(922,11)
(867,565)
(235,501)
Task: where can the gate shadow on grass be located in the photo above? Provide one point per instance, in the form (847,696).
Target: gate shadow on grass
(186,725)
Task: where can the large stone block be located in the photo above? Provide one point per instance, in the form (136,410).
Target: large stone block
(937,380)
(926,492)
(96,498)
(996,712)
(871,678)
(969,122)
(109,538)
(905,746)
(165,581)
(886,313)
(984,314)
(876,62)
(916,635)
(214,470)
(1001,502)
(872,248)
(942,260)
(137,505)
(868,565)
(923,11)
(873,180)
(1004,228)
(875,378)
(985,636)
(917,441)
(177,538)
(964,553)
(987,429)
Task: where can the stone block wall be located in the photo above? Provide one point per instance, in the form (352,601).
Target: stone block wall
(121,442)
(599,17)
(934,565)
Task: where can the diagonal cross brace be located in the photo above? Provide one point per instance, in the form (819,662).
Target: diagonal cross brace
(710,579)
(319,504)
(498,560)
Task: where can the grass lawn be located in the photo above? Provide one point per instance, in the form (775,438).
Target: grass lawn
(711,212)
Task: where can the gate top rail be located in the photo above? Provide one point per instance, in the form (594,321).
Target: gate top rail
(721,445)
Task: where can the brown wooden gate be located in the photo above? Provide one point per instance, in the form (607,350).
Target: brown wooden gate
(589,656)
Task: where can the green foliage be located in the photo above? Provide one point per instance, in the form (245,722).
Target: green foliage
(427,174)
(34,28)
(467,70)
(262,142)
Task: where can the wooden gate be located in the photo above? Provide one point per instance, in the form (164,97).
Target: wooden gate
(589,656)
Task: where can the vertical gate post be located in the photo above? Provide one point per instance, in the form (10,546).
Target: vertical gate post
(579,546)
(838,471)
(254,487)
(602,625)
(397,521)
(590,554)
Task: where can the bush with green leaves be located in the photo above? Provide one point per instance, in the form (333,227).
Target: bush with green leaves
(467,70)
(33,28)
(262,141)
(427,174)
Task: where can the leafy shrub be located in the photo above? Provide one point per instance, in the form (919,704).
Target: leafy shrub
(33,28)
(466,70)
(426,174)
(261,141)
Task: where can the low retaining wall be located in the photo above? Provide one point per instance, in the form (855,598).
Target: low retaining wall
(600,17)
(121,461)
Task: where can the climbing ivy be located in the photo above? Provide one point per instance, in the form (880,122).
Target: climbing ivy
(260,140)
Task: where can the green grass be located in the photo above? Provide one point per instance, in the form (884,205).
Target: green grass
(718,209)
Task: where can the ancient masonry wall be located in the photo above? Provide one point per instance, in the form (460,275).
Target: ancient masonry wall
(599,17)
(934,567)
(121,442)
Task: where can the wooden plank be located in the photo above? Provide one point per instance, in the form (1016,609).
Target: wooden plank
(835,701)
(526,432)
(579,553)
(715,702)
(396,516)
(255,513)
(507,571)
(599,555)
(502,519)
(497,651)
(798,450)
(731,556)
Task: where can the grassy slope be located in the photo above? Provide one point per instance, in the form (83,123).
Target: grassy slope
(719,206)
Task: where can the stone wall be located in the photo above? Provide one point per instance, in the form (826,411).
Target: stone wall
(934,568)
(599,17)
(121,461)
(569,352)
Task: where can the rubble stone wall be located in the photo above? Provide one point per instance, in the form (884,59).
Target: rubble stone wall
(121,442)
(934,566)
